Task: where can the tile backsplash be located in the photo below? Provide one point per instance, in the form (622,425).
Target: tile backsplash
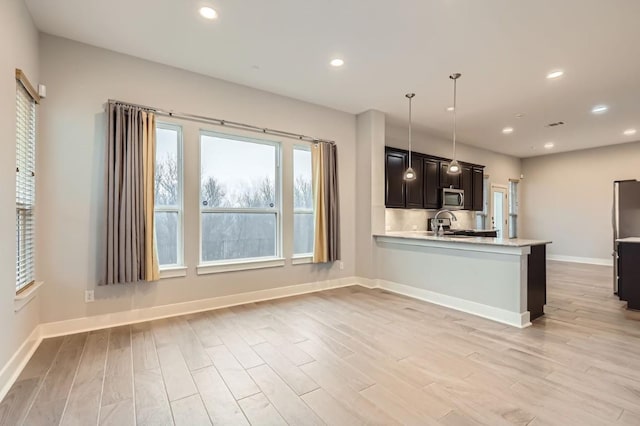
(410,220)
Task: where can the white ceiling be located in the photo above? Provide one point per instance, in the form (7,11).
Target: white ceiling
(503,48)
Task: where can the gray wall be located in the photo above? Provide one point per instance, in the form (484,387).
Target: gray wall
(568,198)
(19,47)
(370,188)
(80,79)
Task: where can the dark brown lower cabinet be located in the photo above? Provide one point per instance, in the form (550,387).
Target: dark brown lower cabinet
(537,281)
(629,274)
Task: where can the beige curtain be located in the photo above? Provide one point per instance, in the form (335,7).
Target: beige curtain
(326,205)
(130,242)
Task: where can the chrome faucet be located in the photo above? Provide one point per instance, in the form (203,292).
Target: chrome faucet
(453,216)
(434,222)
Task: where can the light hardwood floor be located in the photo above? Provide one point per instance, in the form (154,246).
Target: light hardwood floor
(349,356)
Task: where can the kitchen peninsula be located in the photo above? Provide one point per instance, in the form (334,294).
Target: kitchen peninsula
(500,279)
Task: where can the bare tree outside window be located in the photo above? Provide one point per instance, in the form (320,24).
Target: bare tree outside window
(212,192)
(168,194)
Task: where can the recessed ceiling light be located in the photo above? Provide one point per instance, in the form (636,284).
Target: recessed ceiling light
(555,74)
(599,109)
(450,108)
(520,115)
(630,132)
(549,145)
(208,12)
(337,62)
(507,130)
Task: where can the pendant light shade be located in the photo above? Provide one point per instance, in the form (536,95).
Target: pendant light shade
(454,166)
(409,174)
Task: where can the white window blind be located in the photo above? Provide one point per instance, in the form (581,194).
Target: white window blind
(25,186)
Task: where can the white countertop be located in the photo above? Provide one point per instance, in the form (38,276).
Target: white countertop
(502,242)
(629,240)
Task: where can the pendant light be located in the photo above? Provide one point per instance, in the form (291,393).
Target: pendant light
(454,166)
(409,174)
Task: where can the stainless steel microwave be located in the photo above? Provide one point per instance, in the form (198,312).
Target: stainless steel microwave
(452,199)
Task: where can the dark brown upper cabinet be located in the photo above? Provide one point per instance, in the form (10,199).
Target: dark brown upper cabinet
(395,186)
(447,180)
(431,185)
(466,178)
(425,191)
(414,188)
(478,192)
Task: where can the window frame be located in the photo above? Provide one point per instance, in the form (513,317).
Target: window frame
(299,258)
(173,270)
(513,207)
(481,216)
(228,265)
(26,211)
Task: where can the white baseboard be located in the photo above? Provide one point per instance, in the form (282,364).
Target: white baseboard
(366,282)
(575,259)
(16,364)
(515,319)
(78,325)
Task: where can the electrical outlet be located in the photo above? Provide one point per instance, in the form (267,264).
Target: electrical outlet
(341,265)
(89,296)
(414,227)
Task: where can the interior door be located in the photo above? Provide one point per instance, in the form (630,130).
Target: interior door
(500,210)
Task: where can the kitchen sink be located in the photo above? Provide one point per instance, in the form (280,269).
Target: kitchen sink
(461,233)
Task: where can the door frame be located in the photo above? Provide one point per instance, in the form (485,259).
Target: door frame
(505,207)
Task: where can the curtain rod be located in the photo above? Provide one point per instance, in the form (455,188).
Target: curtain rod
(220,122)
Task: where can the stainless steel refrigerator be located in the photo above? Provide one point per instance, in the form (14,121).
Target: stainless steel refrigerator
(626,217)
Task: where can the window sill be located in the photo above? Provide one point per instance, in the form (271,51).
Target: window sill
(173,272)
(21,300)
(216,268)
(301,260)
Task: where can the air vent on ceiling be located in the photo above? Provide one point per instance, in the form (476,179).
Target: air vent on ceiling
(557,123)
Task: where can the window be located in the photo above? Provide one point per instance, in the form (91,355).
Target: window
(168,195)
(303,223)
(513,209)
(481,216)
(25,182)
(239,198)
